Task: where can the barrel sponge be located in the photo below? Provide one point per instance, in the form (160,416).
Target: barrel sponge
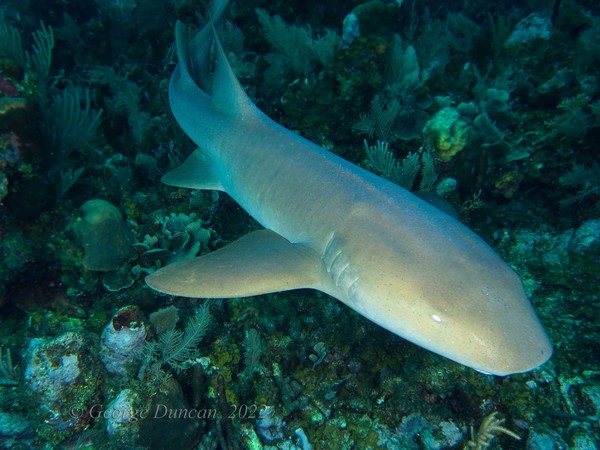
(105,239)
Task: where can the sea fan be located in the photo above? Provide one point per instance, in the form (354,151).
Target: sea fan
(178,348)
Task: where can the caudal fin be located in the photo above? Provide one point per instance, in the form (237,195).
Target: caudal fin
(221,88)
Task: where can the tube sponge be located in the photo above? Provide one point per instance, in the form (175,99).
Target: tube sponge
(105,239)
(123,341)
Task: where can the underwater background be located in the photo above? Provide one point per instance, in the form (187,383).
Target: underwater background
(492,107)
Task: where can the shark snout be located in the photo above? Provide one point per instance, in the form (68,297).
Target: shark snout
(519,345)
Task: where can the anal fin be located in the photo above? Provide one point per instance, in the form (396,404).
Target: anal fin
(258,263)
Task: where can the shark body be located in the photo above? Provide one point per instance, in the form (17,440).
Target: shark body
(334,227)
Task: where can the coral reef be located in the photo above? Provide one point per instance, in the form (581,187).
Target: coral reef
(62,377)
(493,107)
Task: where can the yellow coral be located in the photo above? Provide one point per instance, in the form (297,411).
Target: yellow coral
(8,104)
(445,133)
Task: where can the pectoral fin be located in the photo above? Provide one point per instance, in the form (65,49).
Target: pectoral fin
(258,263)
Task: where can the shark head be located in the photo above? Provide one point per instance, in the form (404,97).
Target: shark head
(445,289)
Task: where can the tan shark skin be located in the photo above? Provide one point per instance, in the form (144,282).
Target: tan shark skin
(335,227)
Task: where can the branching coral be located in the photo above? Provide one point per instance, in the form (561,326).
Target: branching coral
(9,372)
(488,430)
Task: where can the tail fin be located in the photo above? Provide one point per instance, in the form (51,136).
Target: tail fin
(220,89)
(205,104)
(194,55)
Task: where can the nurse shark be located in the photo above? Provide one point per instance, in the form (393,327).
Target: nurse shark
(335,227)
